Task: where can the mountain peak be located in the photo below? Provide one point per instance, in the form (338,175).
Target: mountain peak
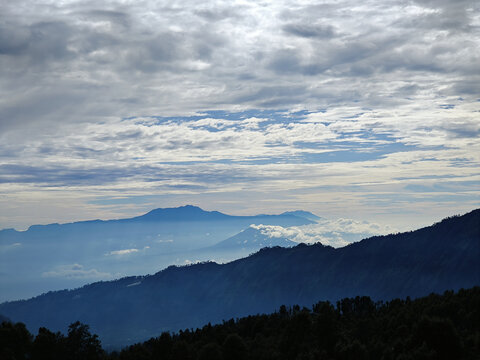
(181,213)
(303,214)
(254,237)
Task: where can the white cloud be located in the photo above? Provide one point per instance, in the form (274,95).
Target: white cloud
(8,247)
(193,262)
(75,271)
(336,233)
(125,252)
(122,252)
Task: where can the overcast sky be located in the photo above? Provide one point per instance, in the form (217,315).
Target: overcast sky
(359,109)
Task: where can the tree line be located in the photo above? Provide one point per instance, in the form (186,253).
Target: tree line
(443,326)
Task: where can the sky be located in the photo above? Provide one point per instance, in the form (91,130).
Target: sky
(362,110)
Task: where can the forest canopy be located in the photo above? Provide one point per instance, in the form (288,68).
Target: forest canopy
(434,327)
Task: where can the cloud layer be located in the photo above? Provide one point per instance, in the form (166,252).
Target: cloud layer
(111,108)
(335,233)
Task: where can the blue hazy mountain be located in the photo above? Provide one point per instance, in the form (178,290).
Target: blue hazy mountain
(59,256)
(252,238)
(183,213)
(303,214)
(432,259)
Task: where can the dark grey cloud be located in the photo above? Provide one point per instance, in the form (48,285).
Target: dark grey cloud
(41,106)
(286,62)
(121,136)
(463,130)
(470,86)
(13,41)
(310,31)
(274,96)
(114,17)
(62,176)
(40,42)
(169,176)
(212,14)
(157,54)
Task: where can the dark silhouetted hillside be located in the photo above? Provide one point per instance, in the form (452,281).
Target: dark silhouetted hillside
(436,327)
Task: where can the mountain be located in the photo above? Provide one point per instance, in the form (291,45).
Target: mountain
(433,259)
(182,213)
(59,256)
(187,213)
(252,238)
(303,214)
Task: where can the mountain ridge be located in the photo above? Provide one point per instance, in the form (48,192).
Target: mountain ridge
(180,213)
(302,213)
(440,257)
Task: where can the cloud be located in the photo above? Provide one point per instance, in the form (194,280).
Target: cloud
(75,271)
(190,102)
(162,241)
(122,252)
(336,233)
(193,57)
(9,247)
(310,31)
(347,153)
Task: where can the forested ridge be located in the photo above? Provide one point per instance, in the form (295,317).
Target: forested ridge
(443,326)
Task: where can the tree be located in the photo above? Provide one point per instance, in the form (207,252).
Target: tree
(441,336)
(48,345)
(15,341)
(81,344)
(234,348)
(210,351)
(181,351)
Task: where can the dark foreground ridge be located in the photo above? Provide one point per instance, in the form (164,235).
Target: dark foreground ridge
(433,259)
(434,327)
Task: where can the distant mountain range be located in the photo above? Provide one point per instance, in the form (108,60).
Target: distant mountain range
(433,259)
(59,256)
